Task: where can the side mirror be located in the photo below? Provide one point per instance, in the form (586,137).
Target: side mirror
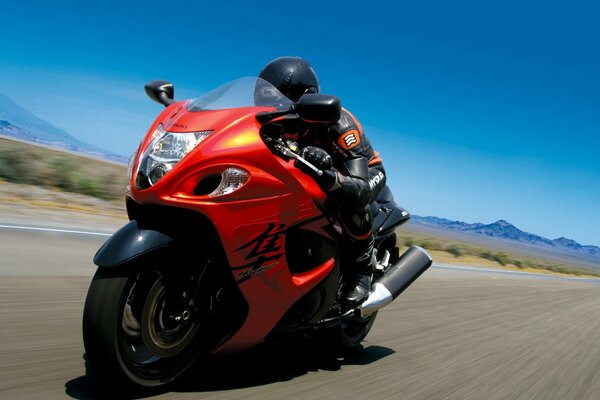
(313,107)
(160,91)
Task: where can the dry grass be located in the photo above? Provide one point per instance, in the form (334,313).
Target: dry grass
(458,252)
(39,166)
(26,204)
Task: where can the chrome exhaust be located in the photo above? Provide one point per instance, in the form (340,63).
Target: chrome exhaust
(396,279)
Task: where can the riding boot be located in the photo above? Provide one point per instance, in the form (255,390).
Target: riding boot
(360,277)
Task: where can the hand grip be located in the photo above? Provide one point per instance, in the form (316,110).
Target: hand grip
(295,156)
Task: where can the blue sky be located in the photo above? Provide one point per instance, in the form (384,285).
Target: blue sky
(481,111)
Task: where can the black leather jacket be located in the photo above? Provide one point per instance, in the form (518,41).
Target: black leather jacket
(361,175)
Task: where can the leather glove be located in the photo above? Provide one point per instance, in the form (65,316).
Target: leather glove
(320,159)
(317,157)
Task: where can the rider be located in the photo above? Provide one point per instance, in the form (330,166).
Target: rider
(353,173)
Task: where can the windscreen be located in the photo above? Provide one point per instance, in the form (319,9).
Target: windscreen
(243,92)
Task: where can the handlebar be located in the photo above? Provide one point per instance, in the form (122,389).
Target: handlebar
(288,153)
(274,141)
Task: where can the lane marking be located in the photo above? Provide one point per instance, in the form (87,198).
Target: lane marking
(510,272)
(33,228)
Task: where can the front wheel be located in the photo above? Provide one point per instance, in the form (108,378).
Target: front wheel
(138,326)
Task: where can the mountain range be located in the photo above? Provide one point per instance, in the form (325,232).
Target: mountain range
(18,123)
(505,230)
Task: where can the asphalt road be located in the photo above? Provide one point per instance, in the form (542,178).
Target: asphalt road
(454,334)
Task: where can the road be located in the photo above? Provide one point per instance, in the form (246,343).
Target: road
(454,334)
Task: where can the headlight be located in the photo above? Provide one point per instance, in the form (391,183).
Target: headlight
(164,150)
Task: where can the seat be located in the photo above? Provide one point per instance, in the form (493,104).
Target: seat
(386,214)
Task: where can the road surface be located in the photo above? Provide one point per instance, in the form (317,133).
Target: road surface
(454,334)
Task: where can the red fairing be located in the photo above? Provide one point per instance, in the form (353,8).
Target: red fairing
(253,220)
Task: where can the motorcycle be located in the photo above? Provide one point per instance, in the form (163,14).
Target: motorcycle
(229,245)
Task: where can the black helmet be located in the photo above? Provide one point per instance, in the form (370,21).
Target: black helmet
(293,76)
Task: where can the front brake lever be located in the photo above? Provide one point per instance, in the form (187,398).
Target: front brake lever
(288,153)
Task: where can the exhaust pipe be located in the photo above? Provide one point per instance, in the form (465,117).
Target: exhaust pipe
(396,279)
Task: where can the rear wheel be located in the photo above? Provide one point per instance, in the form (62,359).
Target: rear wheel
(139,326)
(346,338)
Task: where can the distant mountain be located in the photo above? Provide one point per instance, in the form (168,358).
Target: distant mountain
(445,222)
(505,230)
(18,123)
(8,129)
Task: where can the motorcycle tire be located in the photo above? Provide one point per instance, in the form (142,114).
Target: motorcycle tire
(130,336)
(346,339)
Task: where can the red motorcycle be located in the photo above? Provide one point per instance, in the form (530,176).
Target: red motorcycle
(229,245)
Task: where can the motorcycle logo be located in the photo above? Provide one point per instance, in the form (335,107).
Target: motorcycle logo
(266,250)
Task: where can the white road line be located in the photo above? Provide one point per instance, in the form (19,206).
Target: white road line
(512,272)
(33,228)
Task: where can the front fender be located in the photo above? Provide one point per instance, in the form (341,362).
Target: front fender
(129,242)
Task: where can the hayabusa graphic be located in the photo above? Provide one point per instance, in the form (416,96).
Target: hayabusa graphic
(229,244)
